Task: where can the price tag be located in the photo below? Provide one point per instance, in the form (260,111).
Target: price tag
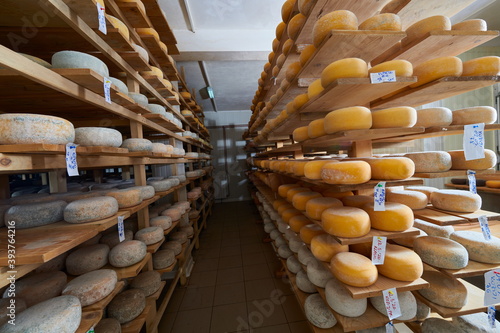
(379,197)
(387,76)
(491,316)
(71,163)
(389,328)
(378,250)
(472,181)
(485,228)
(101,16)
(491,287)
(474,141)
(121,229)
(392,303)
(91,330)
(107,90)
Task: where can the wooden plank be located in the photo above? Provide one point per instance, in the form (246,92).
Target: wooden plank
(373,233)
(451,173)
(472,217)
(473,268)
(135,61)
(20,272)
(37,148)
(479,188)
(167,269)
(135,15)
(88,321)
(136,325)
(131,271)
(384,283)
(102,304)
(437,217)
(163,121)
(154,247)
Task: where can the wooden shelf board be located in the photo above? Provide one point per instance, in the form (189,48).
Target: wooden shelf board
(137,62)
(368,185)
(37,148)
(450,173)
(169,230)
(437,217)
(373,232)
(167,269)
(157,294)
(182,255)
(472,217)
(102,304)
(99,225)
(131,271)
(163,121)
(89,320)
(435,91)
(20,272)
(384,283)
(136,325)
(134,14)
(154,247)
(473,268)
(159,22)
(479,188)
(115,39)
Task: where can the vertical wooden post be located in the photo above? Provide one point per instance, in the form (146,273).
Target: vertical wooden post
(57,181)
(126,173)
(45,180)
(4,187)
(98,176)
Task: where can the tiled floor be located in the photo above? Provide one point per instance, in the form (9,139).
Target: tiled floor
(233,287)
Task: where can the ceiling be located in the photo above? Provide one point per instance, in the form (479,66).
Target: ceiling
(225,43)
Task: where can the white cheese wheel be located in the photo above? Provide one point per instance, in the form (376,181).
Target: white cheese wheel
(431,117)
(476,322)
(159,148)
(141,51)
(430,161)
(459,163)
(479,249)
(305,256)
(284,251)
(98,136)
(441,252)
(73,59)
(140,99)
(136,145)
(293,264)
(412,199)
(433,229)
(444,290)
(475,115)
(157,108)
(427,190)
(408,241)
(341,301)
(318,274)
(122,87)
(437,325)
(407,303)
(318,313)
(456,201)
(423,311)
(303,282)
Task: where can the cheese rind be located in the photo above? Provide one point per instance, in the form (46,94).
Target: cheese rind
(401,67)
(313,169)
(431,117)
(412,199)
(419,29)
(471,25)
(484,66)
(318,313)
(297,222)
(474,115)
(401,264)
(391,168)
(346,222)
(301,134)
(295,24)
(430,161)
(427,190)
(459,163)
(478,248)
(341,301)
(403,116)
(74,59)
(348,172)
(351,118)
(303,282)
(344,68)
(444,290)
(291,192)
(396,217)
(282,191)
(433,229)
(437,68)
(306,54)
(299,201)
(441,252)
(292,70)
(456,201)
(324,247)
(308,232)
(316,206)
(356,200)
(318,273)
(316,128)
(407,304)
(386,21)
(98,136)
(336,20)
(314,89)
(353,269)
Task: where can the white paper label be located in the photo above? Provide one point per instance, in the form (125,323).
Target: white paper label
(101,15)
(378,250)
(379,197)
(491,316)
(107,90)
(492,287)
(121,229)
(91,330)
(472,181)
(392,303)
(485,228)
(71,163)
(474,141)
(387,76)
(389,328)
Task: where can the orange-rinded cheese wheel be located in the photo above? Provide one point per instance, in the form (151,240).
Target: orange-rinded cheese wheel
(456,201)
(280,28)
(336,20)
(316,128)
(283,189)
(308,232)
(122,27)
(300,134)
(280,61)
(458,161)
(347,222)
(289,213)
(306,54)
(297,222)
(474,115)
(316,206)
(419,29)
(493,183)
(289,166)
(391,168)
(430,161)
(396,217)
(278,203)
(300,200)
(333,193)
(412,199)
(471,25)
(148,31)
(427,190)
(324,247)
(357,200)
(274,73)
(401,264)
(436,68)
(300,100)
(292,70)
(282,166)
(287,46)
(437,116)
(354,269)
(267,66)
(386,21)
(295,25)
(348,67)
(314,89)
(312,169)
(290,109)
(401,67)
(286,9)
(403,116)
(276,44)
(298,168)
(305,6)
(284,207)
(346,172)
(484,66)
(291,192)
(346,119)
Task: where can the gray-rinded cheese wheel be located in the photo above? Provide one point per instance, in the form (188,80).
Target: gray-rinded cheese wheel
(98,136)
(90,209)
(21,128)
(139,98)
(430,161)
(127,197)
(305,255)
(476,322)
(423,311)
(474,115)
(151,235)
(280,241)
(295,244)
(92,287)
(180,236)
(122,87)
(108,325)
(318,274)
(136,145)
(318,313)
(459,163)
(73,59)
(433,229)
(87,259)
(434,117)
(127,305)
(35,215)
(441,252)
(112,239)
(303,282)
(147,192)
(3,210)
(412,199)
(407,303)
(163,259)
(341,301)
(293,265)
(174,213)
(172,245)
(456,200)
(268,227)
(142,52)
(127,253)
(165,222)
(408,241)
(60,314)
(437,325)
(149,282)
(479,249)
(161,185)
(157,108)
(189,230)
(444,290)
(284,251)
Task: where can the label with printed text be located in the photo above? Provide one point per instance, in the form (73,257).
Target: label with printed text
(389,328)
(391,302)
(471,175)
(379,197)
(492,287)
(387,76)
(474,141)
(101,16)
(121,229)
(107,90)
(485,228)
(378,250)
(491,316)
(71,162)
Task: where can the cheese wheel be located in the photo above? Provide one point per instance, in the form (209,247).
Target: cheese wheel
(284,251)
(136,145)
(474,115)
(348,172)
(148,32)
(401,67)
(471,25)
(98,136)
(456,201)
(300,134)
(280,28)
(444,290)
(275,45)
(436,68)
(396,217)
(427,190)
(291,192)
(313,169)
(295,24)
(332,193)
(314,89)
(431,117)
(117,24)
(459,163)
(433,229)
(391,168)
(324,247)
(401,264)
(39,61)
(430,161)
(437,325)
(316,206)
(305,256)
(308,232)
(306,54)
(127,197)
(282,191)
(484,66)
(407,305)
(346,119)
(297,222)
(74,59)
(90,209)
(386,21)
(293,265)
(403,116)
(318,313)
(292,70)
(287,46)
(421,28)
(356,200)
(353,269)
(279,63)
(316,128)
(408,241)
(336,20)
(476,322)
(283,208)
(341,301)
(318,273)
(300,100)
(305,6)
(298,168)
(493,183)
(300,200)
(412,199)
(478,248)
(344,68)
(289,213)
(441,252)
(349,222)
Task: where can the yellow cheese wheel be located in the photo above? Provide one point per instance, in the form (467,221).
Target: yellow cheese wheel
(456,201)
(298,168)
(386,21)
(284,207)
(437,116)
(314,89)
(401,67)
(471,25)
(403,116)
(308,232)
(300,100)
(300,134)
(306,54)
(391,168)
(292,70)
(336,20)
(346,222)
(421,28)
(312,169)
(283,189)
(346,172)
(290,109)
(289,213)
(280,61)
(275,46)
(493,183)
(430,161)
(278,203)
(346,119)
(427,190)
(263,75)
(316,128)
(436,68)
(354,269)
(324,247)
(396,217)
(394,6)
(333,193)
(316,206)
(401,264)
(357,200)
(280,28)
(348,67)
(458,161)
(282,166)
(286,9)
(484,66)
(474,115)
(156,72)
(300,200)
(306,5)
(297,222)
(412,199)
(291,192)
(122,27)
(274,73)
(295,25)
(287,46)
(148,31)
